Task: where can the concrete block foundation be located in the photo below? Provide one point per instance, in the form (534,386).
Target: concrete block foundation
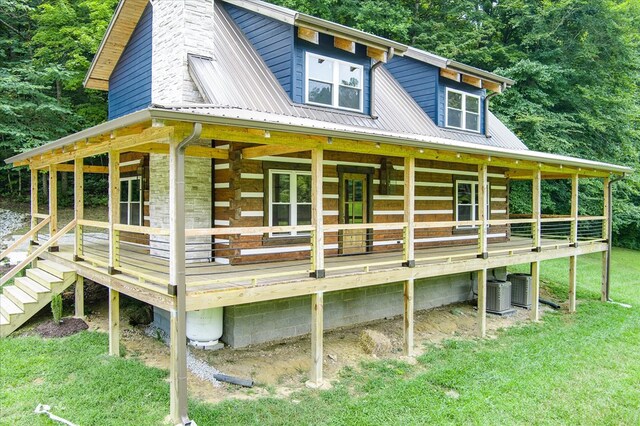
(262,322)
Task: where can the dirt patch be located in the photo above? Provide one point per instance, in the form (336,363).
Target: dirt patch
(281,368)
(66,327)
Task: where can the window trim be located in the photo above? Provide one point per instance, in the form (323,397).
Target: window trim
(474,197)
(293,195)
(463,110)
(335,96)
(128,202)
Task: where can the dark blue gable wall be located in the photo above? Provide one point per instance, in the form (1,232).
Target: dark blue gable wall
(442,95)
(272,39)
(130,82)
(325,48)
(420,80)
(424,84)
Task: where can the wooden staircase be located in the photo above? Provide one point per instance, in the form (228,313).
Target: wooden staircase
(30,293)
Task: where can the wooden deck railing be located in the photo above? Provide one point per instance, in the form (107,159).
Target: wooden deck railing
(34,255)
(143,252)
(28,236)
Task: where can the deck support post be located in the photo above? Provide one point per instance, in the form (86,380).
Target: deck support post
(34,203)
(114,322)
(483,214)
(317,242)
(177,248)
(535,291)
(408,316)
(482,302)
(79,297)
(114,211)
(78,184)
(604,293)
(573,260)
(536,191)
(317,328)
(409,211)
(53,203)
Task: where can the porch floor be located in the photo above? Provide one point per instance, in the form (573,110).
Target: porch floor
(153,272)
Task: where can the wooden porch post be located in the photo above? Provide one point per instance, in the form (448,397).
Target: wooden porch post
(604,296)
(537,237)
(483,214)
(178,347)
(34,202)
(78,184)
(408,316)
(573,260)
(317,242)
(482,302)
(53,203)
(114,322)
(409,210)
(114,210)
(317,326)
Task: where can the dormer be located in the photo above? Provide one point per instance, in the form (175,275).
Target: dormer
(452,94)
(317,62)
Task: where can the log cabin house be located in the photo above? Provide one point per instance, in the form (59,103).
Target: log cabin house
(284,174)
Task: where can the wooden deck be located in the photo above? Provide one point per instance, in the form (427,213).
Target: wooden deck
(210,284)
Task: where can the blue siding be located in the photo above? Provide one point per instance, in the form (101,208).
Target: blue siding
(420,80)
(325,47)
(130,82)
(272,39)
(442,94)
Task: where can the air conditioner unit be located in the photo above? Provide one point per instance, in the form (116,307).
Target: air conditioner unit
(499,297)
(520,290)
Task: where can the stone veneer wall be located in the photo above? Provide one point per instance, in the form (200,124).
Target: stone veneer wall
(179,28)
(197,198)
(278,319)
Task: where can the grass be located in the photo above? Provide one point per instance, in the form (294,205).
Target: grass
(582,368)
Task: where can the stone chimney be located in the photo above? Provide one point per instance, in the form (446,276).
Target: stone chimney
(180,28)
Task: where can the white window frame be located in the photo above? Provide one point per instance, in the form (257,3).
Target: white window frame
(465,95)
(335,96)
(128,202)
(474,199)
(293,200)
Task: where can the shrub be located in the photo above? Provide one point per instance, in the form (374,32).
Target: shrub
(56,308)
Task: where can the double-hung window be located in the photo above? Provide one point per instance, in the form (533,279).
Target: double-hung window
(290,199)
(467,201)
(463,110)
(131,200)
(333,83)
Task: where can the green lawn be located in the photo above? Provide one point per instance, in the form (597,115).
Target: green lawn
(569,369)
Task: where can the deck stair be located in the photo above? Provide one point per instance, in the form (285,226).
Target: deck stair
(32,292)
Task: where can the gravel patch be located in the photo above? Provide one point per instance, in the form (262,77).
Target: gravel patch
(10,221)
(197,367)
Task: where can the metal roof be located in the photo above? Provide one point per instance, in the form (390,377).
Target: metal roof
(238,78)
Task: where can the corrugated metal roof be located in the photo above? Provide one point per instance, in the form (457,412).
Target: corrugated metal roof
(238,78)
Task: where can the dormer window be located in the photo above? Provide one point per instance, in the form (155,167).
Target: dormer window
(334,83)
(463,111)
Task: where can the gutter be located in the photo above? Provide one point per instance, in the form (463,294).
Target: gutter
(486,113)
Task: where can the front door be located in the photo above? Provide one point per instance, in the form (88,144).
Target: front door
(354,209)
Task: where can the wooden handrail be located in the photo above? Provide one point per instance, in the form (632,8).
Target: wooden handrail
(93,223)
(586,218)
(135,229)
(447,224)
(6,277)
(375,226)
(25,237)
(556,219)
(257,230)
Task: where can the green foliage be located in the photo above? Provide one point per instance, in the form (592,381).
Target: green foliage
(576,64)
(56,308)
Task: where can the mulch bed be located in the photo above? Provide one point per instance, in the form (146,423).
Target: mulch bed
(67,327)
